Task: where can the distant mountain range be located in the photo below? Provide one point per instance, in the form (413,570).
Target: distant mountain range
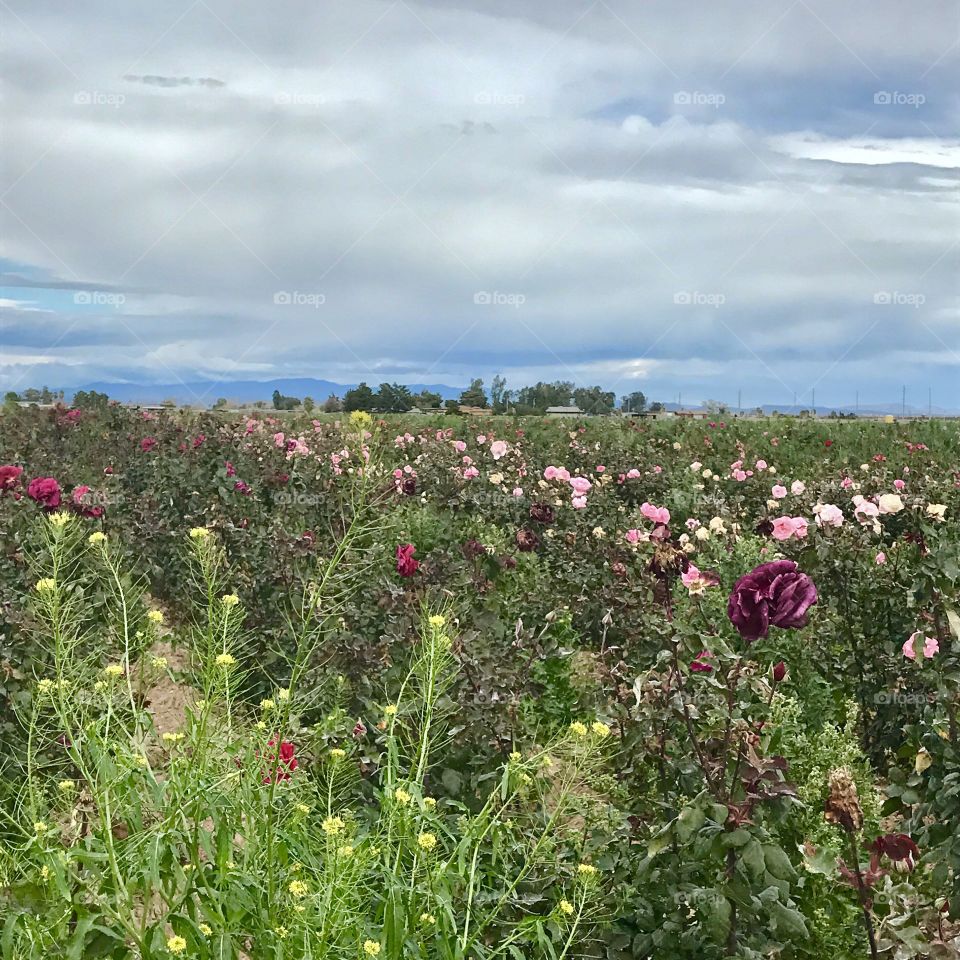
(207,392)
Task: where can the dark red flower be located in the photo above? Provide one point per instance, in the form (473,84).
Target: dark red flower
(774,593)
(359,730)
(147,444)
(241,487)
(779,671)
(699,663)
(406,565)
(542,513)
(409,486)
(526,540)
(198,440)
(828,443)
(46,491)
(231,470)
(287,761)
(899,848)
(473,549)
(9,477)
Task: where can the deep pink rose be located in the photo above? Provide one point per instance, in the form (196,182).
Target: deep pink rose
(83,503)
(147,444)
(46,491)
(772,594)
(406,565)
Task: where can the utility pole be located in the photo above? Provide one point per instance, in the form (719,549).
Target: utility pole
(903,402)
(813,401)
(739,403)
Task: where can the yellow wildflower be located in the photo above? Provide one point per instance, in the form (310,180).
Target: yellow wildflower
(427,918)
(114,670)
(401,796)
(59,519)
(46,585)
(199,533)
(437,620)
(346,851)
(155,616)
(600,729)
(230,599)
(586,870)
(205,929)
(45,685)
(390,710)
(97,538)
(267,704)
(337,754)
(429,803)
(298,888)
(225,660)
(370,947)
(40,828)
(176,945)
(578,729)
(566,907)
(362,420)
(302,808)
(426,841)
(159,662)
(283,693)
(331,826)
(66,786)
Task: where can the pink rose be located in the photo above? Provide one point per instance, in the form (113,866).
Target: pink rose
(498,448)
(829,515)
(656,514)
(779,492)
(881,559)
(931,646)
(797,487)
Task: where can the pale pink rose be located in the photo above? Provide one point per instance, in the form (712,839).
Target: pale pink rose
(864,510)
(632,536)
(658,469)
(881,558)
(828,515)
(846,483)
(779,492)
(470,473)
(797,487)
(459,446)
(481,438)
(633,474)
(656,514)
(931,646)
(600,468)
(518,491)
(761,464)
(550,473)
(279,439)
(899,484)
(739,475)
(783,528)
(695,581)
(578,503)
(581,485)
(799,527)
(498,448)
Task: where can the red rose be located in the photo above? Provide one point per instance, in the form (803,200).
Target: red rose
(779,671)
(699,664)
(287,761)
(147,444)
(82,503)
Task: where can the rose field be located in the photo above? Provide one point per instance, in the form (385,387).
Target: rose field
(466,688)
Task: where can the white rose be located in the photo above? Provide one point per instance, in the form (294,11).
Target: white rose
(890,503)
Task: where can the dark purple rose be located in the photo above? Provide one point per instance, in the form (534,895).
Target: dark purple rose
(542,513)
(772,594)
(409,486)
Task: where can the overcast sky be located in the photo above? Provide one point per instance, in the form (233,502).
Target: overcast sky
(676,197)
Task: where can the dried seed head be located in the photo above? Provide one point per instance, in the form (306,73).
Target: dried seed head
(843,804)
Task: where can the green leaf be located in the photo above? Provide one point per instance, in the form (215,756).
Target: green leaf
(788,922)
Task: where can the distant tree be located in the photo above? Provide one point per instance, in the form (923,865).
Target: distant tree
(280,402)
(428,400)
(474,395)
(594,400)
(221,403)
(393,398)
(10,400)
(46,396)
(635,402)
(91,400)
(656,407)
(332,404)
(499,394)
(31,395)
(451,406)
(715,406)
(308,404)
(361,397)
(259,404)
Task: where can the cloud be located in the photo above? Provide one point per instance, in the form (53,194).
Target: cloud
(442,190)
